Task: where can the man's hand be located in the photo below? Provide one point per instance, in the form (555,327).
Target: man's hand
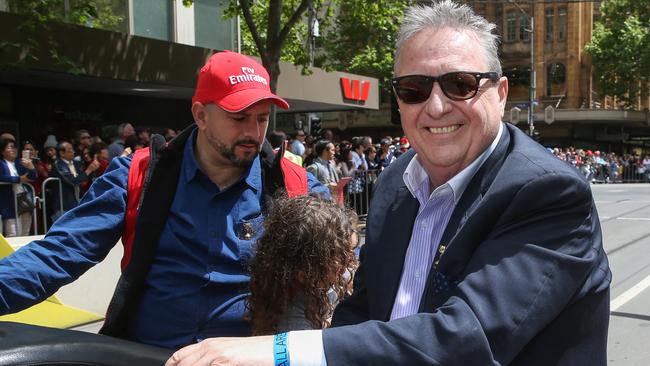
(94,165)
(251,351)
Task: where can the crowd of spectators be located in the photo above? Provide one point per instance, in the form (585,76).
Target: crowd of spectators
(348,167)
(76,160)
(606,167)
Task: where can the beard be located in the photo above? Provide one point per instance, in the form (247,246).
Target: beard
(228,152)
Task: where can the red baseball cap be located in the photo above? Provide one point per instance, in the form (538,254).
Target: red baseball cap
(234,82)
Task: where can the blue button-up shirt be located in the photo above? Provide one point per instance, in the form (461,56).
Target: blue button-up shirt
(198,280)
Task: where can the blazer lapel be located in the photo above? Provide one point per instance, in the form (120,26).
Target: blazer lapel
(396,235)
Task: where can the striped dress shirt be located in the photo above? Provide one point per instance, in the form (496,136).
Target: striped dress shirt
(433,215)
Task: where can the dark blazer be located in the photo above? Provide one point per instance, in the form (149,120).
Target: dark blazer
(7,210)
(523,279)
(69,183)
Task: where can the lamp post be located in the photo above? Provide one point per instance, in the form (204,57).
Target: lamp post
(533,79)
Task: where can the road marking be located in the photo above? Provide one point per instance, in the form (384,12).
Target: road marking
(629,294)
(634,218)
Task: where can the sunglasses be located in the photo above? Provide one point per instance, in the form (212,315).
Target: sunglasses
(457,85)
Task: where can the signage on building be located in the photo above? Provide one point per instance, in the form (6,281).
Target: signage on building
(355,90)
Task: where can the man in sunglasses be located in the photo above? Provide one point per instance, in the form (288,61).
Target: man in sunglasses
(481,247)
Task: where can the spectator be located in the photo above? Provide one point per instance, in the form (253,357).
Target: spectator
(322,167)
(277,139)
(82,140)
(169,134)
(346,164)
(143,135)
(124,130)
(72,175)
(303,265)
(298,143)
(386,155)
(17,172)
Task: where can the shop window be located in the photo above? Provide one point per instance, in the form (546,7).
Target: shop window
(555,79)
(561,24)
(511,26)
(548,21)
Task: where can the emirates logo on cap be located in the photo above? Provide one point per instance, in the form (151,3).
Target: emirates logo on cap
(247,75)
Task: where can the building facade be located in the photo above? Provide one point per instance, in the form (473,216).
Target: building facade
(569,108)
(137,62)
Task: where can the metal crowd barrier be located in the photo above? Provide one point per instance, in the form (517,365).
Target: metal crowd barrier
(358,192)
(44,199)
(35,198)
(616,174)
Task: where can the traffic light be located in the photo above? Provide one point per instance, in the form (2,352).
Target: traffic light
(315,126)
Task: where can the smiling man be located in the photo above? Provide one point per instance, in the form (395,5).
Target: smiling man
(188,212)
(481,247)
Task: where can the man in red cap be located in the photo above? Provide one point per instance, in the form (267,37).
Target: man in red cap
(188,212)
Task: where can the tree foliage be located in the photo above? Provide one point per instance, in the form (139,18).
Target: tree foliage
(363,37)
(620,49)
(38,15)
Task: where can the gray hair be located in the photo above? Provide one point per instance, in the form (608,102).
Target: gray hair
(444,14)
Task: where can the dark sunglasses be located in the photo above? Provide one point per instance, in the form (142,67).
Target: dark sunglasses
(457,85)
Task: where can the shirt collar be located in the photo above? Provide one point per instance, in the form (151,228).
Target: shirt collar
(191,169)
(417,180)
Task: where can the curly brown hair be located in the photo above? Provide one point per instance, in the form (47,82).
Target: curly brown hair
(304,252)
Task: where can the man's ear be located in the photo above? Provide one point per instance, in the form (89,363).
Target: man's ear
(502,91)
(200,114)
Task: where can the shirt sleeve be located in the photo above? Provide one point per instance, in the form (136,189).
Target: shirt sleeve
(78,240)
(306,348)
(317,187)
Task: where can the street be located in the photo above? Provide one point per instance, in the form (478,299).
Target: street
(624,211)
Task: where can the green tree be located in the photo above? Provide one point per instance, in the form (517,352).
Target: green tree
(362,39)
(39,15)
(620,49)
(270,24)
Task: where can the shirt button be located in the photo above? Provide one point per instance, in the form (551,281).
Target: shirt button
(417,274)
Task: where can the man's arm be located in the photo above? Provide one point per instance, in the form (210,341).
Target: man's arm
(318,188)
(78,240)
(520,278)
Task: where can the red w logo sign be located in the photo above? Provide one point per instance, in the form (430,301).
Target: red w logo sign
(355,89)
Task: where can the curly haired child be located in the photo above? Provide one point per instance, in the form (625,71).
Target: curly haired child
(302,266)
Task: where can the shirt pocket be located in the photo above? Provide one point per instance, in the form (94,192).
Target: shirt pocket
(248,231)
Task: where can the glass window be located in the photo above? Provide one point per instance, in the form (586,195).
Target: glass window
(153,19)
(111,15)
(210,29)
(524,27)
(548,19)
(517,76)
(555,78)
(561,24)
(511,26)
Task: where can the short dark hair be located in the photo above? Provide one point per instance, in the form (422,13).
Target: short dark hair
(277,138)
(5,142)
(320,146)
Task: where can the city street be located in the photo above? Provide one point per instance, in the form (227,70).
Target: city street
(625,216)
